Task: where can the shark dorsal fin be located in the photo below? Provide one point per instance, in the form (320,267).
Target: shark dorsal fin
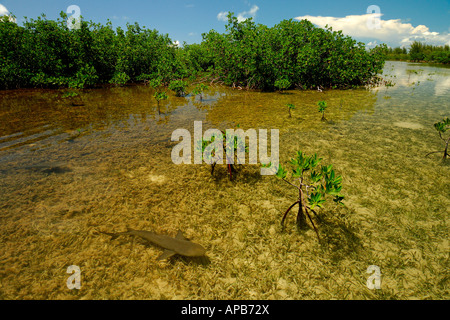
(180,236)
(166,254)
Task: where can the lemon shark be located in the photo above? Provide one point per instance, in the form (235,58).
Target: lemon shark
(178,245)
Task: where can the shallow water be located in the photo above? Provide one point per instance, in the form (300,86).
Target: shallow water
(70,167)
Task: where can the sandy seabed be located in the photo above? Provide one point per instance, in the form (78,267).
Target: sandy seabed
(396,215)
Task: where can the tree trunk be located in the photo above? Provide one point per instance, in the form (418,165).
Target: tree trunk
(301,219)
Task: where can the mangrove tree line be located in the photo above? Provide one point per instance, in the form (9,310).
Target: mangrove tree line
(292,54)
(419,51)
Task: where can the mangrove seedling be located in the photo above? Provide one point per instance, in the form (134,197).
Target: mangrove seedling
(211,158)
(179,87)
(160,96)
(313,186)
(290,107)
(74,98)
(199,90)
(322,106)
(282,84)
(441,128)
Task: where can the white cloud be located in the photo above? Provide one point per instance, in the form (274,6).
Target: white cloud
(222,16)
(439,82)
(442,87)
(248,14)
(244,15)
(372,44)
(394,32)
(3,10)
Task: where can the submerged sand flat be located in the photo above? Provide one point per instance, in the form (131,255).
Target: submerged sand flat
(408,125)
(57,193)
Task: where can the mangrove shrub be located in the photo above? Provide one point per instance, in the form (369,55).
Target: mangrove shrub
(290,54)
(46,53)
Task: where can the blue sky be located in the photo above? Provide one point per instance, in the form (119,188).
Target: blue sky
(400,22)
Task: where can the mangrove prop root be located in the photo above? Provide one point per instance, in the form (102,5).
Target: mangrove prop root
(301,220)
(285,214)
(230,169)
(446,154)
(315,229)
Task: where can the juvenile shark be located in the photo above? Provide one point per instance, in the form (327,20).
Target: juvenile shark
(178,245)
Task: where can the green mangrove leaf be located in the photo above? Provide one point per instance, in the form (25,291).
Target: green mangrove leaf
(281,172)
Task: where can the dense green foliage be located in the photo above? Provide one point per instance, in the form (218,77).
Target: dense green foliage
(290,107)
(179,87)
(46,53)
(291,54)
(421,52)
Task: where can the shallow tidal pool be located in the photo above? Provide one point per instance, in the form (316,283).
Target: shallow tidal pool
(71,168)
